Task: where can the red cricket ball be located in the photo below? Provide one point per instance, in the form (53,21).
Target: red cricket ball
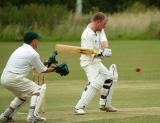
(138,69)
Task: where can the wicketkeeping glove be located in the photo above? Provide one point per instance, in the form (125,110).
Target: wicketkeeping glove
(62,69)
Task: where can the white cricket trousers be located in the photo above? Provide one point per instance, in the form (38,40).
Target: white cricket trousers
(18,84)
(96,73)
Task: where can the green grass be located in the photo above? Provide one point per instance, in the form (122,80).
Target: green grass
(136,94)
(137,119)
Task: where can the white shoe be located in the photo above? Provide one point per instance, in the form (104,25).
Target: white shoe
(6,119)
(102,107)
(41,118)
(109,108)
(35,118)
(80,111)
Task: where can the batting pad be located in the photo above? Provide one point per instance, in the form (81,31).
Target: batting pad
(40,99)
(86,97)
(113,72)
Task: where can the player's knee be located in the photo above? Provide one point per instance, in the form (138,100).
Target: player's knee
(22,99)
(16,102)
(85,89)
(96,85)
(39,90)
(36,92)
(107,84)
(108,81)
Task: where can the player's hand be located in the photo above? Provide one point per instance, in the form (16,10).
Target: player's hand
(107,52)
(45,63)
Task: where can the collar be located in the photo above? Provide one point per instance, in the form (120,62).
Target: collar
(91,31)
(27,45)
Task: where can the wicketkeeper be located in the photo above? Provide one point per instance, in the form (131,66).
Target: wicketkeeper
(99,77)
(14,78)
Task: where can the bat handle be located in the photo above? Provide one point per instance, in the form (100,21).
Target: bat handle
(99,56)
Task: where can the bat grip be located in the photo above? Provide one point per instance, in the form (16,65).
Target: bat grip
(99,55)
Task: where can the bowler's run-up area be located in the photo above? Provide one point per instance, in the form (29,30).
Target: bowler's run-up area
(136,96)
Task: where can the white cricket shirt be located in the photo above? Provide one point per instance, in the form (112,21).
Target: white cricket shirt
(23,59)
(91,40)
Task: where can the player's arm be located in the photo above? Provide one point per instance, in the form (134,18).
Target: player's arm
(50,69)
(105,45)
(104,40)
(39,66)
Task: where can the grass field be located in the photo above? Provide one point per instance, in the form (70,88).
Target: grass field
(136,93)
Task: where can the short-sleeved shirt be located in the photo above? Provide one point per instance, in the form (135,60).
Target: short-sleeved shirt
(91,40)
(23,59)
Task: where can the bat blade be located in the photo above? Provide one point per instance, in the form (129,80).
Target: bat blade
(74,49)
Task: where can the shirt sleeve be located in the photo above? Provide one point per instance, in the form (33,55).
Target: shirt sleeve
(103,36)
(37,64)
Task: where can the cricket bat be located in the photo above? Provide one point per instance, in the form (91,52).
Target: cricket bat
(74,49)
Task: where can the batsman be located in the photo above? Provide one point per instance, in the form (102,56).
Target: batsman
(99,77)
(14,78)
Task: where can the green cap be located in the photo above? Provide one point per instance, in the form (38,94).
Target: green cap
(29,36)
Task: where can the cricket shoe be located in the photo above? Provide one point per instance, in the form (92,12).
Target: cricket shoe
(80,111)
(109,108)
(36,118)
(41,118)
(4,118)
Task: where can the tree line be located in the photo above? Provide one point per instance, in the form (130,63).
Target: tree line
(109,6)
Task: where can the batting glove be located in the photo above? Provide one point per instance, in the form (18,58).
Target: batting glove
(107,52)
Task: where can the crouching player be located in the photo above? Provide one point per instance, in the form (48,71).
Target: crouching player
(14,78)
(99,77)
